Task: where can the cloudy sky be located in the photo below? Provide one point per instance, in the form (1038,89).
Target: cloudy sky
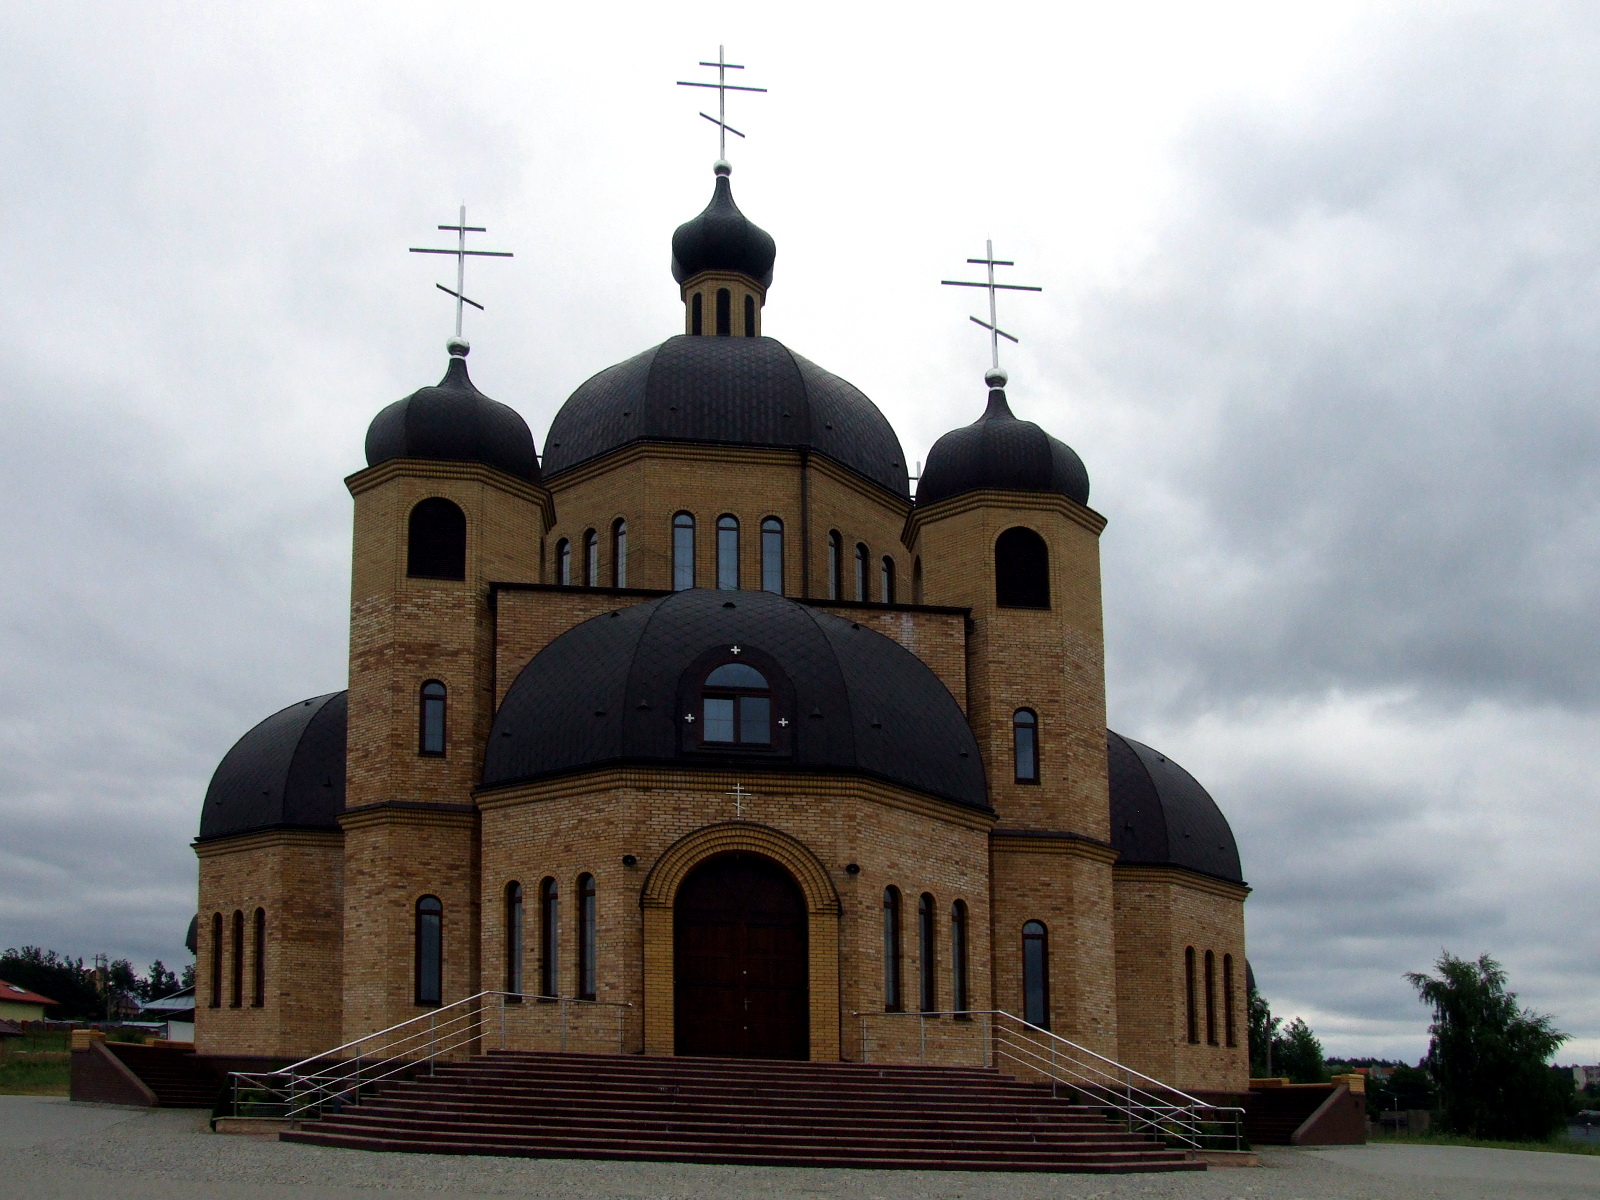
(1321,315)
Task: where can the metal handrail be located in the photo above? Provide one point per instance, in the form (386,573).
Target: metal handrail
(1160,1109)
(337,1075)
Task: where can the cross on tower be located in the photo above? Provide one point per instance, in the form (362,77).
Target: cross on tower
(992,324)
(461,229)
(739,797)
(723,88)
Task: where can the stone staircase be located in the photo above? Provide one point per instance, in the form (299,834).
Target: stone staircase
(177,1077)
(743,1111)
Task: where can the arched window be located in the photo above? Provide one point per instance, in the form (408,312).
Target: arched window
(1211,998)
(696,320)
(737,706)
(1025,745)
(586,916)
(238,959)
(728,553)
(1191,1008)
(682,552)
(1036,974)
(619,553)
(862,559)
(436,545)
(430,951)
(835,565)
(916,580)
(258,995)
(893,998)
(749,316)
(514,938)
(591,559)
(430,719)
(724,313)
(549,935)
(927,955)
(886,580)
(216,960)
(772,555)
(1021,570)
(564,563)
(958,956)
(1230,1030)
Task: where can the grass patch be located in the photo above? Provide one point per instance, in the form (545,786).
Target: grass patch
(1560,1144)
(43,1073)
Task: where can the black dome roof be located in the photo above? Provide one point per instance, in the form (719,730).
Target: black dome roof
(287,771)
(723,239)
(454,422)
(730,390)
(998,451)
(1160,815)
(615,688)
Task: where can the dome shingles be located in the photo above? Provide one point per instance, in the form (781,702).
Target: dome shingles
(726,391)
(1000,452)
(722,238)
(287,772)
(1160,815)
(454,422)
(862,703)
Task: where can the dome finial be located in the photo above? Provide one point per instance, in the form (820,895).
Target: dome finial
(461,229)
(993,323)
(458,347)
(723,87)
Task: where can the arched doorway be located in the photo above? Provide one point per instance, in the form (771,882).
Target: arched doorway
(740,974)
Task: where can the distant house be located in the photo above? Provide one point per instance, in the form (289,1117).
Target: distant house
(1586,1076)
(19,1004)
(175,1012)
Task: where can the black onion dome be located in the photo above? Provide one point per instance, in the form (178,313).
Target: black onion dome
(732,391)
(287,772)
(1000,452)
(454,422)
(616,689)
(1160,815)
(723,239)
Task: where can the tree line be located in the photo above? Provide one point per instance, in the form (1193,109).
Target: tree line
(83,993)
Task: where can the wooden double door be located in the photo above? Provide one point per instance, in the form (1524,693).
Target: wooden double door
(740,964)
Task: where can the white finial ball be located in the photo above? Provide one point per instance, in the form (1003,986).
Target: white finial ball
(995,377)
(722,167)
(458,347)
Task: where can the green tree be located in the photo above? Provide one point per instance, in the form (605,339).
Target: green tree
(1404,1088)
(160,982)
(1489,1055)
(64,980)
(1298,1054)
(1263,1028)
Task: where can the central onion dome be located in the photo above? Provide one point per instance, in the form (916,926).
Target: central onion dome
(723,239)
(454,422)
(999,452)
(626,688)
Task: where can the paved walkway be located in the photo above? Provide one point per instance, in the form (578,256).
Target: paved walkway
(52,1149)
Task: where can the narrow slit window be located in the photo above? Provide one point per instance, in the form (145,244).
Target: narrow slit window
(682,552)
(958,957)
(1191,1008)
(586,932)
(591,559)
(724,313)
(1230,1031)
(216,960)
(749,316)
(772,555)
(893,1000)
(258,995)
(549,934)
(1211,998)
(1025,745)
(1036,974)
(835,565)
(430,951)
(564,563)
(514,938)
(431,730)
(238,959)
(886,580)
(728,553)
(927,954)
(916,580)
(619,553)
(696,317)
(862,559)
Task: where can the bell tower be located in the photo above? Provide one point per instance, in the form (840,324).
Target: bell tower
(723,264)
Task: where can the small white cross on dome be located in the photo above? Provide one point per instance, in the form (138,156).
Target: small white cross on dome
(783,722)
(689,717)
(735,650)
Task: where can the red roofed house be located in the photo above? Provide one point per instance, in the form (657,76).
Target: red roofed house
(19,1004)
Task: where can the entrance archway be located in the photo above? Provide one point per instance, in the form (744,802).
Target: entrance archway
(740,960)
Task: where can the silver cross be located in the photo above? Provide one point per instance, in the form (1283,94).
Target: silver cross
(689,717)
(735,650)
(783,722)
(992,324)
(462,254)
(739,797)
(723,88)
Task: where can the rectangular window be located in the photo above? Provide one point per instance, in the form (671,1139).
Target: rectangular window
(586,936)
(682,552)
(755,719)
(772,555)
(718,719)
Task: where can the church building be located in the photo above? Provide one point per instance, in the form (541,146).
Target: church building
(704,734)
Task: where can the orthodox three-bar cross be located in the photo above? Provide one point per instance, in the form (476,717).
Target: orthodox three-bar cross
(993,323)
(723,88)
(461,229)
(739,797)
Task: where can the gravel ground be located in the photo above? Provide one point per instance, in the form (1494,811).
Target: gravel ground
(51,1149)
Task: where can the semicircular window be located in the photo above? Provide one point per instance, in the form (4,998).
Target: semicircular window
(737,706)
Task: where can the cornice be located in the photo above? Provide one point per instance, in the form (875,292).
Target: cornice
(266,839)
(409,812)
(966,502)
(700,278)
(428,468)
(1050,841)
(1180,877)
